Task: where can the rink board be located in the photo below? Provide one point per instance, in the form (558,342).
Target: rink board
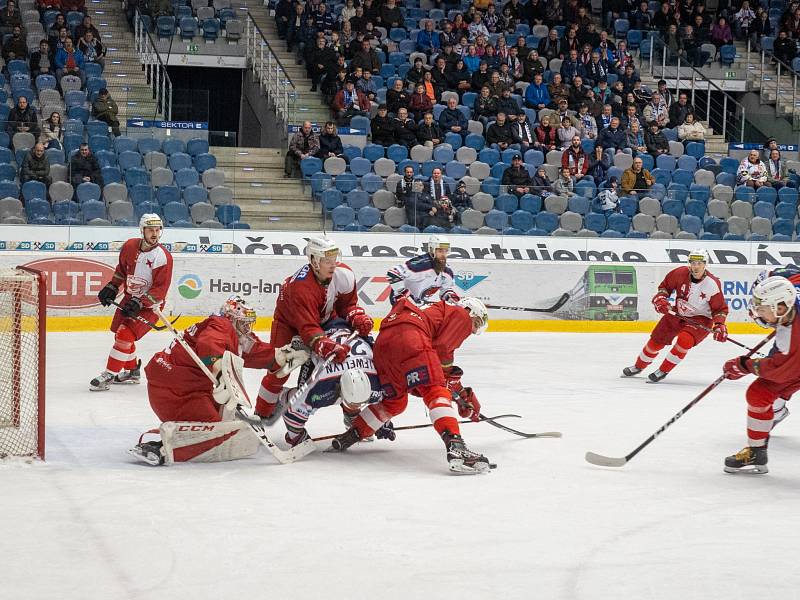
(603,296)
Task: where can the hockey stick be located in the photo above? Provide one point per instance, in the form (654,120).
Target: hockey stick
(609,461)
(152,326)
(559,303)
(491,421)
(694,323)
(282,456)
(424,425)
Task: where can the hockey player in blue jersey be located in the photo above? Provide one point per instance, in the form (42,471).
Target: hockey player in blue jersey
(352,383)
(421,277)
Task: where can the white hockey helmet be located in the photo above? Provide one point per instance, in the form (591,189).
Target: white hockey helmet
(699,254)
(438,241)
(355,388)
(240,313)
(150,220)
(772,292)
(321,248)
(477,310)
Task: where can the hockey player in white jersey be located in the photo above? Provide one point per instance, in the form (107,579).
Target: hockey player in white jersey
(422,276)
(352,384)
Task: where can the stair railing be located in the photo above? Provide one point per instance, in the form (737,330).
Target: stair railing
(154,68)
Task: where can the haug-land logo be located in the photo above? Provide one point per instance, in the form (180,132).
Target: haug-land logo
(190,286)
(467,279)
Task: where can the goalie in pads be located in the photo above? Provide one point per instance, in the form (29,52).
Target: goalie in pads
(197,415)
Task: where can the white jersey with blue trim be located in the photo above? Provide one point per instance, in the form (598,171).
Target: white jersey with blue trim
(419,277)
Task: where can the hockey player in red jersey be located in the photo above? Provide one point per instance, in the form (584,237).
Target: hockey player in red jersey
(321,290)
(774,304)
(143,275)
(414,354)
(699,298)
(197,416)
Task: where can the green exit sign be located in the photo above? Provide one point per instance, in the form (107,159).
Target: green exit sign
(730,74)
(192,48)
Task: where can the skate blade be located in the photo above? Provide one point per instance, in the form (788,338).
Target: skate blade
(146,457)
(94,388)
(648,380)
(459,468)
(748,470)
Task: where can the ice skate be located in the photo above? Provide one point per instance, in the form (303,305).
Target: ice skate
(750,460)
(102,382)
(348,419)
(149,452)
(132,376)
(656,376)
(630,371)
(294,438)
(462,460)
(343,441)
(779,416)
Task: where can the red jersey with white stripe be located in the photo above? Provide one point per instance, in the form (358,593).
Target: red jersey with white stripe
(446,325)
(304,303)
(695,298)
(146,275)
(783,363)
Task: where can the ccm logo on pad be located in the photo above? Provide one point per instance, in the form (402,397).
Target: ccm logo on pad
(195,428)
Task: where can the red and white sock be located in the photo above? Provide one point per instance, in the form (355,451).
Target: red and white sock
(648,354)
(760,414)
(440,410)
(123,353)
(677,353)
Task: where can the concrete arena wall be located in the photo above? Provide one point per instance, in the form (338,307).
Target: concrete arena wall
(201,282)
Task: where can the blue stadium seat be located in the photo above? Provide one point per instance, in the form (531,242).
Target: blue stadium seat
(228,213)
(700,192)
(764,209)
(628,205)
(180,160)
(683,176)
(373,152)
(537,232)
(9,189)
(37,208)
(197,146)
(167,193)
(55,156)
(621,28)
(455,169)
(586,188)
(407,229)
(454,139)
(357,199)
(724,178)
(443,153)
(65,212)
(743,192)
(371,183)
(579,204)
(368,216)
(351,152)
(534,157)
(647,161)
(45,82)
(308,166)
(99,142)
(345,182)
(88,191)
(125,144)
(360,166)
(696,208)
(691,223)
(204,162)
(129,159)
(729,165)
(595,222)
(8,172)
(662,176)
(619,222)
(727,54)
(547,222)
(498,169)
(522,219)
(491,186)
(331,198)
(171,146)
(193,194)
(148,145)
(397,152)
(175,211)
(783,227)
(490,156)
(672,207)
(678,191)
(767,194)
(428,166)
(106,158)
(92,69)
(787,194)
(140,193)
(34,189)
(641,235)
(696,149)
(342,216)
(507,203)
(512,231)
(785,210)
(186,177)
(715,226)
(634,38)
(99,128)
(93,209)
(530,203)
(708,236)
(136,176)
(188,27)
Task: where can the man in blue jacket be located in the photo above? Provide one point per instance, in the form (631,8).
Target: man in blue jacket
(537,96)
(612,136)
(452,120)
(428,40)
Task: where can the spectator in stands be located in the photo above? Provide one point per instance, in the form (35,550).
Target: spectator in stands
(367,58)
(158,8)
(41,62)
(428,40)
(743,20)
(608,200)
(596,70)
(536,95)
(565,184)
(674,44)
(320,60)
(52,132)
(92,49)
(418,205)
(635,138)
(57,43)
(416,74)
(397,97)
(612,137)
(459,79)
(84,167)
(382,127)
(508,105)
(604,120)
(579,92)
(655,140)
(777,170)
(419,102)
(557,90)
(603,93)
(35,167)
(294,29)
(598,165)
(452,120)
(655,111)
(640,18)
(10,17)
(637,179)
(105,109)
(390,15)
(484,108)
(69,61)
(630,117)
(15,46)
(721,33)
(443,214)
(404,186)
(540,183)
(283,14)
(784,48)
(516,178)
(499,134)
(567,132)
(621,57)
(87,25)
(523,132)
(59,24)
(304,143)
(45,5)
(753,172)
(428,132)
(691,130)
(586,122)
(664,18)
(770,145)
(679,110)
(73,5)
(323,20)
(349,103)
(460,200)
(692,44)
(546,135)
(330,144)
(628,77)
(436,185)
(665,94)
(575,159)
(23,118)
(405,129)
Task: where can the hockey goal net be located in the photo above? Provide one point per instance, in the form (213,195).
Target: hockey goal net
(22,362)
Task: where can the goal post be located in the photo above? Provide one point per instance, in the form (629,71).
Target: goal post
(23,319)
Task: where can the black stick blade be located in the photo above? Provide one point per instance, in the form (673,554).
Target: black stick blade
(605,461)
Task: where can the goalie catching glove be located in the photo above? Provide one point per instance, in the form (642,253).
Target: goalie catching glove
(360,321)
(465,398)
(291,356)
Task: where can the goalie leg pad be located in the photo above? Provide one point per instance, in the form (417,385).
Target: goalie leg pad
(192,441)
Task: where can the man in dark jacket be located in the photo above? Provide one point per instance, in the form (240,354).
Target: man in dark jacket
(105,109)
(404,186)
(517,178)
(15,47)
(657,144)
(23,118)
(612,136)
(319,61)
(428,132)
(678,110)
(405,129)
(330,144)
(367,59)
(42,61)
(382,127)
(499,134)
(35,167)
(391,16)
(418,205)
(83,167)
(452,120)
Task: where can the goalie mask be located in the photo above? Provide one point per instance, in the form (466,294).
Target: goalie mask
(240,313)
(477,310)
(355,388)
(323,254)
(151,226)
(768,295)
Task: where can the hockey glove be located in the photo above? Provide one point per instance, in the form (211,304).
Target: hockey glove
(386,432)
(326,347)
(736,368)
(661,304)
(132,308)
(468,405)
(720,332)
(360,321)
(452,379)
(108,294)
(291,356)
(450,296)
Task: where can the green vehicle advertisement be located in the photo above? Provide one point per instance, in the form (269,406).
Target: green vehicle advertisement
(606,292)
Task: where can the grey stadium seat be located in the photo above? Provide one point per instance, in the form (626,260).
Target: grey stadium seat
(623,161)
(571,221)
(584,233)
(675,148)
(11,207)
(201,212)
(121,209)
(644,223)
(722,192)
(761,226)
(115,192)
(667,224)
(472,219)
(60,190)
(59,173)
(660,235)
(213,177)
(420,153)
(704,177)
(383,200)
(154,160)
(479,170)
(335,166)
(685,235)
(394,216)
(742,208)
(384,167)
(161,177)
(561,232)
(473,185)
(482,202)
(466,155)
(392,181)
(650,206)
(486,231)
(719,208)
(220,194)
(738,225)
(555,204)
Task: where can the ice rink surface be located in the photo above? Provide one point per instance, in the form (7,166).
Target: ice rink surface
(386,520)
